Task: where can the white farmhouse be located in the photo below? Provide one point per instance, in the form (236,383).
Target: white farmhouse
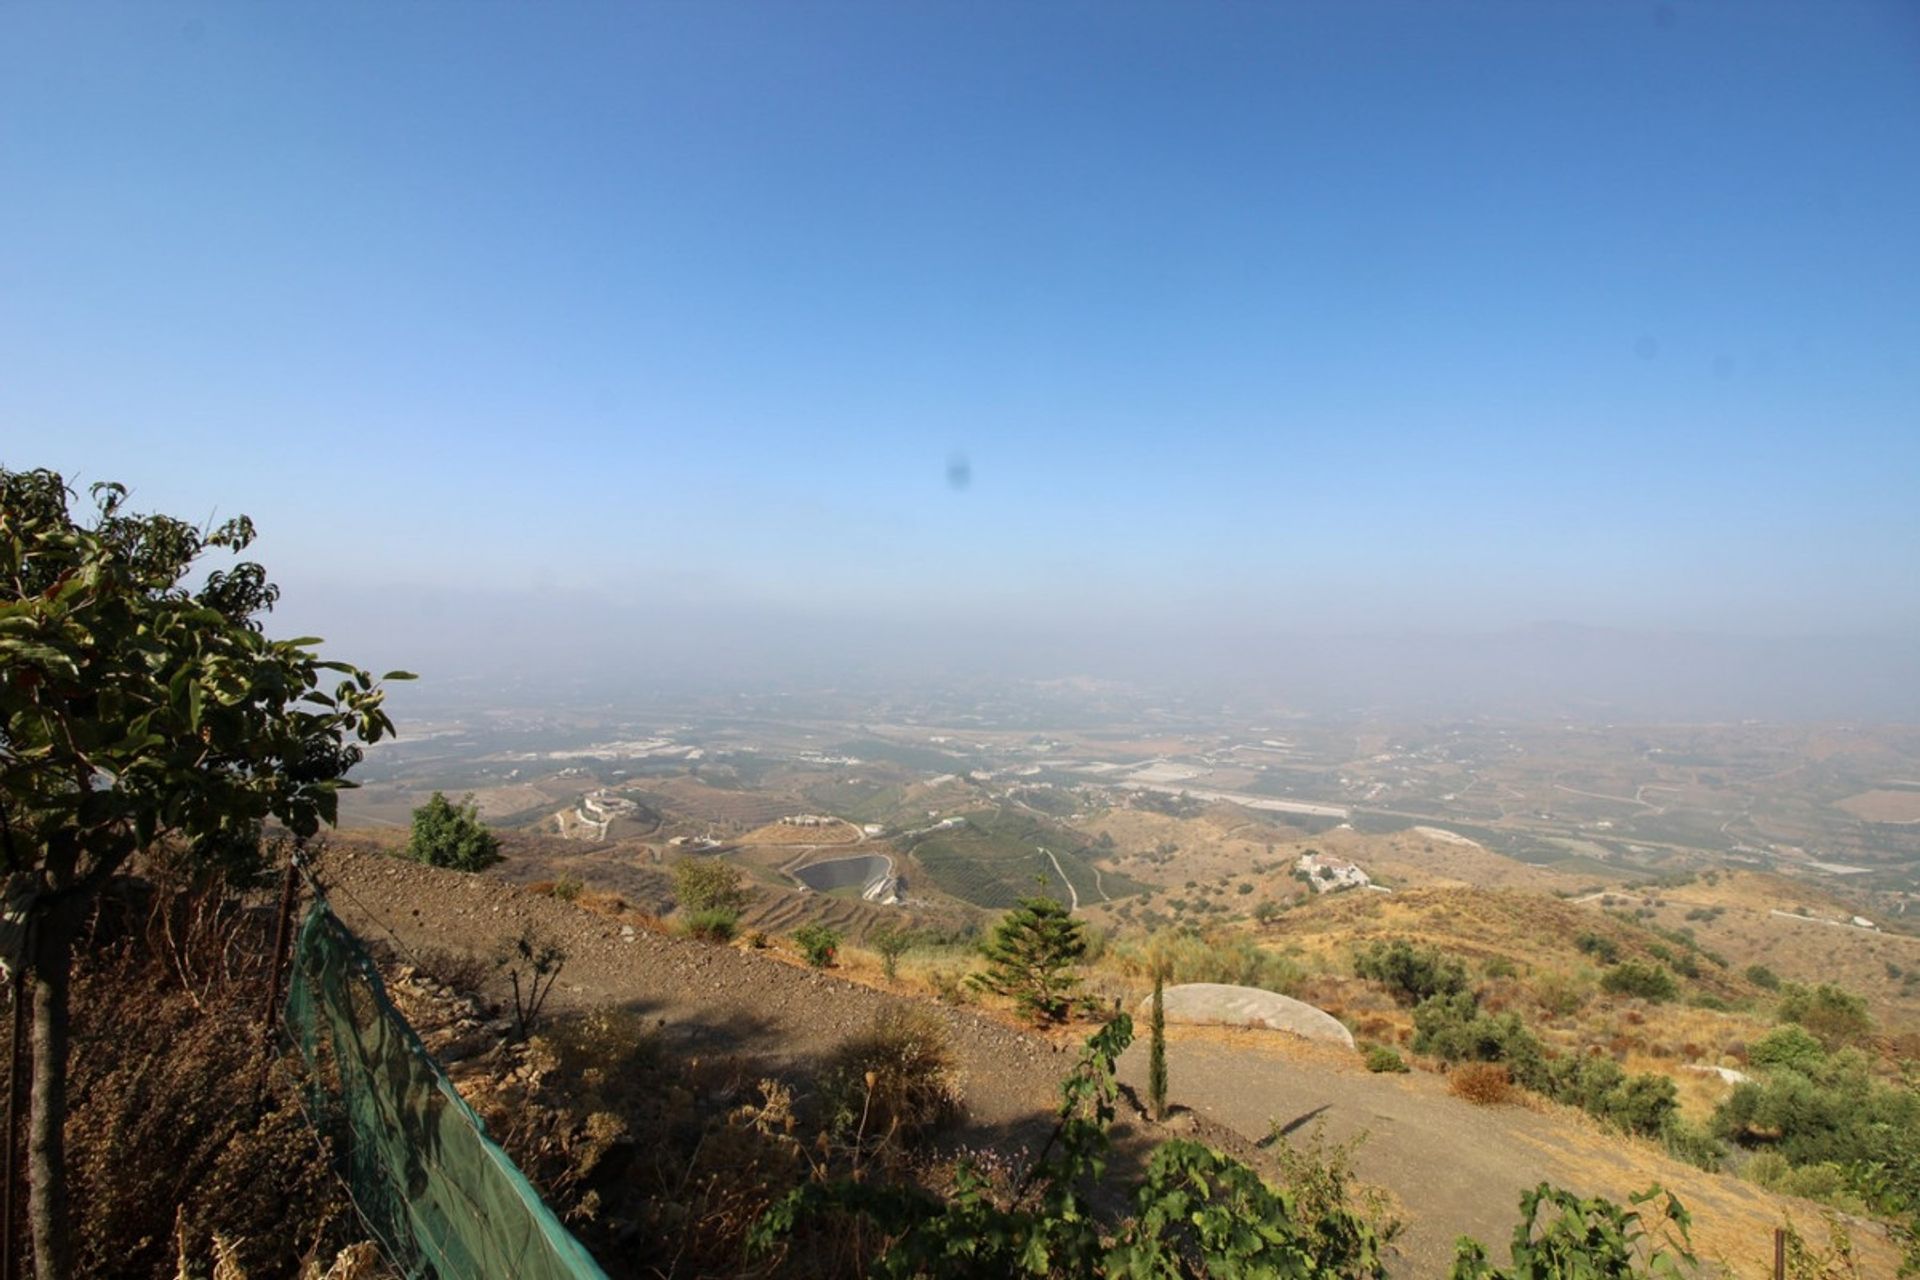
(1327,873)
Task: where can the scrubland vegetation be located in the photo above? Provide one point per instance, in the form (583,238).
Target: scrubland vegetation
(1604,1020)
(1830,1113)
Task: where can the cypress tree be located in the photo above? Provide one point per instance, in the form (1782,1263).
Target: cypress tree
(1157,1050)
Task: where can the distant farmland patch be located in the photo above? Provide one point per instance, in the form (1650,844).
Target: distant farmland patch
(996,859)
(686,798)
(861,801)
(835,831)
(1884,806)
(930,758)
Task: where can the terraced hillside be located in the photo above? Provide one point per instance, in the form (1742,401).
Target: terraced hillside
(1001,855)
(782,913)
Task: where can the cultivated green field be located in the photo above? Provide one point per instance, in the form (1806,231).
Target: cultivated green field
(996,859)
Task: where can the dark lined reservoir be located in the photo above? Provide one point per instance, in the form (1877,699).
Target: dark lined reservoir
(845,873)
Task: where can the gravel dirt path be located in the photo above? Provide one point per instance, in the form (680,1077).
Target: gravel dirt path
(1456,1168)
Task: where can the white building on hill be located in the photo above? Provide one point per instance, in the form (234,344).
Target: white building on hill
(1327,873)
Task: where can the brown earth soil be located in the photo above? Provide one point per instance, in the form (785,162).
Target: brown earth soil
(712,998)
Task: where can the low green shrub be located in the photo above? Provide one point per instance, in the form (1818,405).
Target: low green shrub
(1588,1238)
(1693,1145)
(1456,1029)
(1411,974)
(1788,1046)
(1599,946)
(819,943)
(1825,1181)
(1639,979)
(1383,1059)
(1834,1014)
(712,924)
(1643,1104)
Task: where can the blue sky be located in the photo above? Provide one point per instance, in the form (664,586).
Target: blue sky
(1313,316)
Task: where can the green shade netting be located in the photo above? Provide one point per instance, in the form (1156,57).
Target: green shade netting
(441,1197)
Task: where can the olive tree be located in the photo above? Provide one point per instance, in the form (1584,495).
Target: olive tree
(140,702)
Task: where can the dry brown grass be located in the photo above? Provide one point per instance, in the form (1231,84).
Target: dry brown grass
(1529,930)
(1485,1084)
(783,833)
(895,1081)
(183,1128)
(1209,847)
(1745,933)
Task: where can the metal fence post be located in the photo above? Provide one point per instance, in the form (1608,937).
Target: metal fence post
(282,926)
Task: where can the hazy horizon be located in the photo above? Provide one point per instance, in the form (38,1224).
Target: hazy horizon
(574,644)
(1491,355)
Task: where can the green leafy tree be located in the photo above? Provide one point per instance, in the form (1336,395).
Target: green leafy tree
(891,942)
(1031,957)
(819,943)
(140,702)
(708,884)
(452,836)
(1157,1050)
